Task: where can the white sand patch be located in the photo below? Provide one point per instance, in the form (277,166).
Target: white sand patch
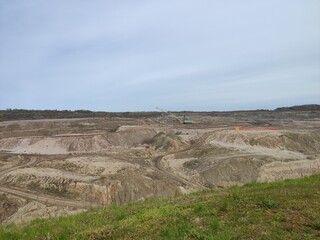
(32,145)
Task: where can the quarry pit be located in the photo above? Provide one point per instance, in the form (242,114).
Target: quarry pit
(54,167)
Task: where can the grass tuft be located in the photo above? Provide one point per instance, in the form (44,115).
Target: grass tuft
(268,204)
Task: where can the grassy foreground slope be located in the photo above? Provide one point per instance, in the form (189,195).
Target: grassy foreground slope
(281,210)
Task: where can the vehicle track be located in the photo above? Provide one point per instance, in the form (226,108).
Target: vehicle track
(157,162)
(246,151)
(28,164)
(200,141)
(46,199)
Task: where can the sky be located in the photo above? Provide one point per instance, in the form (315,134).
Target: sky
(200,55)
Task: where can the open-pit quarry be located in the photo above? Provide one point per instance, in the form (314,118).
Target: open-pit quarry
(53,167)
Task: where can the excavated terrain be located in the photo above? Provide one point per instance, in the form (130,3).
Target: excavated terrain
(62,166)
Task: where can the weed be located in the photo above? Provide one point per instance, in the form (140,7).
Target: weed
(268,204)
(279,217)
(199,208)
(118,212)
(176,231)
(214,225)
(221,236)
(224,205)
(197,234)
(235,195)
(315,226)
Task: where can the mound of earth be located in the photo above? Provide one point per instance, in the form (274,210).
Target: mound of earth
(230,171)
(38,210)
(278,170)
(8,206)
(75,143)
(167,142)
(304,142)
(88,165)
(220,171)
(204,152)
(46,179)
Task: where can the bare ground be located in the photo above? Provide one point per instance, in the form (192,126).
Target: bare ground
(58,167)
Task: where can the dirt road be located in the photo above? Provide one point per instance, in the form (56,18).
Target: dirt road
(47,199)
(157,162)
(28,164)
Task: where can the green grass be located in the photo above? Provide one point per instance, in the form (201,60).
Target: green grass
(282,210)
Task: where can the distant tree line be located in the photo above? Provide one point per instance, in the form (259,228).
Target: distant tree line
(307,107)
(22,114)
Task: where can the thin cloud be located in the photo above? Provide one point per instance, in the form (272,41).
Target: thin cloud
(135,55)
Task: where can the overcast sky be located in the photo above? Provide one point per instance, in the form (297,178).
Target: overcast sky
(177,55)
